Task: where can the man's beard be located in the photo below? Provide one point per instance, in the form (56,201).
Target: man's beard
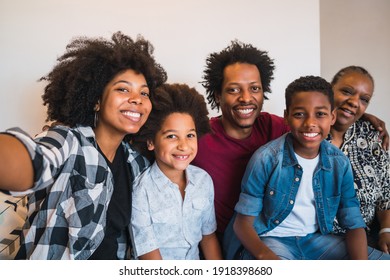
(245,126)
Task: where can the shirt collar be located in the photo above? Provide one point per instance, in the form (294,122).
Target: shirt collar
(162,180)
(289,158)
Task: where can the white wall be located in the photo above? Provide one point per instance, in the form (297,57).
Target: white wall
(358,32)
(34,33)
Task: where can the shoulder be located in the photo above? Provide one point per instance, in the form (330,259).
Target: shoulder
(331,150)
(200,177)
(137,161)
(332,155)
(270,124)
(142,180)
(365,130)
(271,118)
(275,145)
(271,150)
(198,172)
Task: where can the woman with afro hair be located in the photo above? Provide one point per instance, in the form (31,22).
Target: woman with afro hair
(79,175)
(173,201)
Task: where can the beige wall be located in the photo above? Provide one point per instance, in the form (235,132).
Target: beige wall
(34,33)
(358,32)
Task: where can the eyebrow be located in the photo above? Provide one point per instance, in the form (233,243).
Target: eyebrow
(128,83)
(317,107)
(174,130)
(239,83)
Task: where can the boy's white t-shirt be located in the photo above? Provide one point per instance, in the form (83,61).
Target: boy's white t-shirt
(303,218)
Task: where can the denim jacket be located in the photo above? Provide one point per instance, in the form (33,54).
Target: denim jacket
(271,182)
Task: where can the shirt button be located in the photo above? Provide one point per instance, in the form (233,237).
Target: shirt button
(271,193)
(296,179)
(299,166)
(291,201)
(277,222)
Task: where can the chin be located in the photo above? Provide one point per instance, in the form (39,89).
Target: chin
(245,126)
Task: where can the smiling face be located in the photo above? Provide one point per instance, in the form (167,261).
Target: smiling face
(124,106)
(175,144)
(310,118)
(352,94)
(241,99)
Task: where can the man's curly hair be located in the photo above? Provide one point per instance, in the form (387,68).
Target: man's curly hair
(78,81)
(237,52)
(309,83)
(169,99)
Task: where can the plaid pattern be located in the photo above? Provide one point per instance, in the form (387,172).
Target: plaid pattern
(13,214)
(72,189)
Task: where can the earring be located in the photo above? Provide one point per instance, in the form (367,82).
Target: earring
(95,119)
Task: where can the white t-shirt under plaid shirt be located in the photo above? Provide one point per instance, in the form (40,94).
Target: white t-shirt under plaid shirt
(69,199)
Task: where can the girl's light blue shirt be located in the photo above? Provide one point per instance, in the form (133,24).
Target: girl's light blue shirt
(162,220)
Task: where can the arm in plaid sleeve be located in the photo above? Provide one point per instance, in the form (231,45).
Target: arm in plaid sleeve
(32,163)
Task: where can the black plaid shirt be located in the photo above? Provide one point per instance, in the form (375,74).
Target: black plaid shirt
(72,189)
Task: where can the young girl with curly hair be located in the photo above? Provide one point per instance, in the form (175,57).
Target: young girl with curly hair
(173,201)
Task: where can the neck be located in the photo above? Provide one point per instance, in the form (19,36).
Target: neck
(337,133)
(235,131)
(107,143)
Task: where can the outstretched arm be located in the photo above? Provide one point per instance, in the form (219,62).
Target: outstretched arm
(16,169)
(210,247)
(243,227)
(381,127)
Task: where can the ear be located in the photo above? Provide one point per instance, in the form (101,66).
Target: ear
(97,106)
(285,117)
(150,145)
(334,116)
(217,97)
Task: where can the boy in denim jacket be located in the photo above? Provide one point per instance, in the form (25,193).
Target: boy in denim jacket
(296,185)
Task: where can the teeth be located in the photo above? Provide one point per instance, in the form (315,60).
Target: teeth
(311,135)
(182,157)
(245,111)
(348,111)
(132,114)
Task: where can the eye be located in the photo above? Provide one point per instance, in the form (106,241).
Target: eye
(256,89)
(365,100)
(298,115)
(191,135)
(122,89)
(233,90)
(346,91)
(322,114)
(145,94)
(171,136)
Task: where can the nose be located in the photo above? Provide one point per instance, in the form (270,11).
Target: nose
(182,145)
(245,96)
(135,98)
(353,101)
(310,122)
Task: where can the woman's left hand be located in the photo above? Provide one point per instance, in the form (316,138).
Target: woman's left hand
(381,127)
(384,242)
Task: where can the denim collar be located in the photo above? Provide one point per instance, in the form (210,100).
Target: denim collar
(289,158)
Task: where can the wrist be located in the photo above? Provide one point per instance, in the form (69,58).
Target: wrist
(384,230)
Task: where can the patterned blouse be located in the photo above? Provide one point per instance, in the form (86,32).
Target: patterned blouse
(370,165)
